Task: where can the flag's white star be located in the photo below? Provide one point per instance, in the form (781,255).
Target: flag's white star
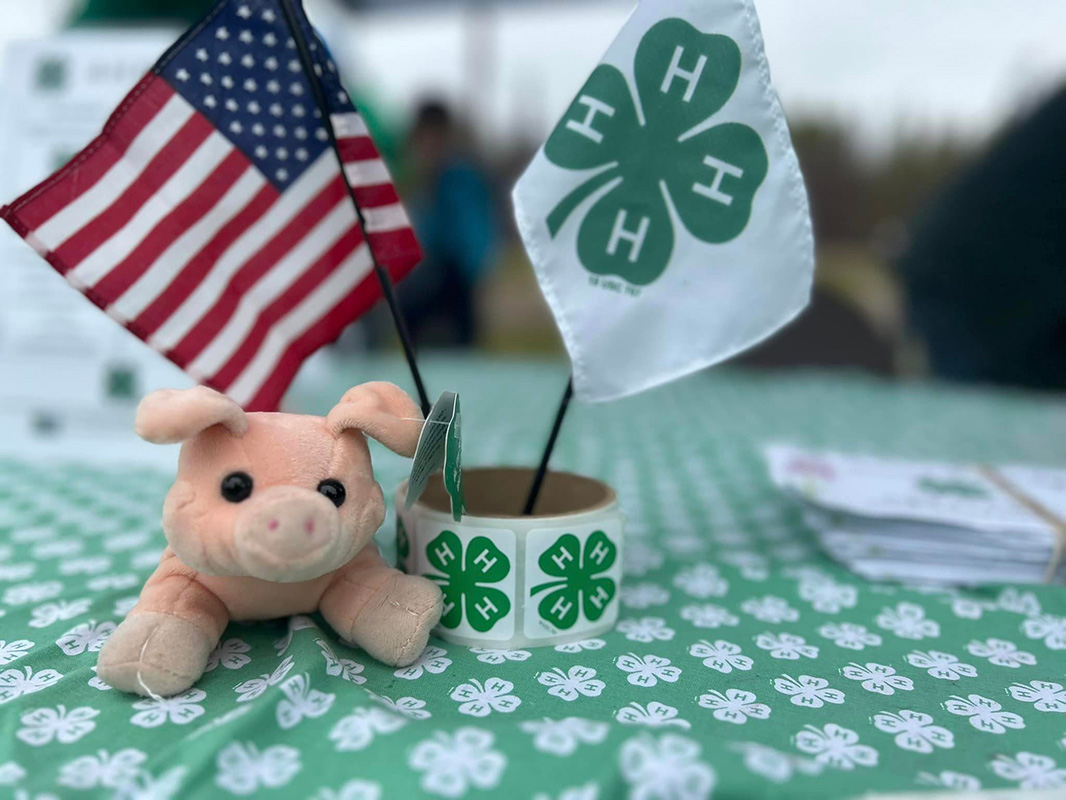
(182,75)
(282,174)
(318,70)
(291,44)
(342,97)
(321,134)
(276,109)
(281,153)
(296,88)
(253,107)
(201,54)
(210,101)
(271,63)
(227,81)
(268,16)
(222,34)
(244,12)
(279,131)
(300,133)
(259,130)
(250,85)
(248,61)
(270,40)
(273,87)
(294,65)
(246,37)
(331,66)
(301,154)
(298,110)
(261,152)
(314,46)
(236,127)
(206,79)
(232,105)
(224,58)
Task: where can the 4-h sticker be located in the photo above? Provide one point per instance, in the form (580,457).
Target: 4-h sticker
(476,573)
(572,579)
(663,163)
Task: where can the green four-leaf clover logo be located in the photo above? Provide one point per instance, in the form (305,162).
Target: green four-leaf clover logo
(462,580)
(662,161)
(578,588)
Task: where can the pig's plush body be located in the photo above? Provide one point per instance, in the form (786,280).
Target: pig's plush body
(271,515)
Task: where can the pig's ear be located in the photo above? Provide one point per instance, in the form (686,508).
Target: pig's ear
(383,412)
(170,416)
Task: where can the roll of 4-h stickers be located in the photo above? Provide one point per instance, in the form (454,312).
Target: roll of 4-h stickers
(512,581)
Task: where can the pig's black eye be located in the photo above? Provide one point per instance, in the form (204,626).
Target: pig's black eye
(237,487)
(333,491)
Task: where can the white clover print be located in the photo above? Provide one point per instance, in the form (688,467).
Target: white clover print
(878,678)
(562,737)
(667,767)
(835,746)
(357,730)
(701,581)
(1030,771)
(297,622)
(105,582)
(772,764)
(479,699)
(345,668)
(410,707)
(357,789)
(16,572)
(50,613)
(808,691)
(15,683)
(180,709)
(45,725)
(734,705)
(827,596)
(967,608)
(653,715)
(722,656)
(1015,602)
(786,646)
(433,660)
(230,654)
(850,635)
(11,773)
(301,702)
(576,682)
(646,630)
(1051,629)
(25,593)
(985,715)
(244,770)
(89,565)
(640,559)
(451,763)
(124,605)
(647,671)
(908,621)
(952,781)
(1001,653)
(643,595)
(251,689)
(102,769)
(496,657)
(87,637)
(944,666)
(709,616)
(145,786)
(14,650)
(774,610)
(1045,695)
(914,731)
(577,647)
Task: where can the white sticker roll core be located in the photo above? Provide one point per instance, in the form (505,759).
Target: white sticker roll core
(511,581)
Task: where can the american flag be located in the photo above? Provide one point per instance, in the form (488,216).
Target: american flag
(211,218)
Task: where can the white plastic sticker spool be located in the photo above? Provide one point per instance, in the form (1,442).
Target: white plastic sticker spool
(511,581)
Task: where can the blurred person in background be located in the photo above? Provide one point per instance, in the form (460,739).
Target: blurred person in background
(451,202)
(985,273)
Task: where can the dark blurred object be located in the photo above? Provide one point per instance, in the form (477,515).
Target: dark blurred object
(831,334)
(111,12)
(985,273)
(451,203)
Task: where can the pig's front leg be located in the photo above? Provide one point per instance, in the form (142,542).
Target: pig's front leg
(385,612)
(162,647)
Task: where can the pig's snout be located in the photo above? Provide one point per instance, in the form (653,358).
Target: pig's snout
(287,534)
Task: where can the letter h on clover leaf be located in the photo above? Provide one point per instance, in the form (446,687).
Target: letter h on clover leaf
(578,588)
(661,163)
(463,580)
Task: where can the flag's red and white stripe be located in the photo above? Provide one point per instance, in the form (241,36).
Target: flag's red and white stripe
(164,224)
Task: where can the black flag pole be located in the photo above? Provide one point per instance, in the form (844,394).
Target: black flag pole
(292,19)
(542,470)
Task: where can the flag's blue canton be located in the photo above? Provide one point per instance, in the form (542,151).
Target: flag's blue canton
(240,68)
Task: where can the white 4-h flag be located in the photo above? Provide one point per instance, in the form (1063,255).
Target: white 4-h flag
(666,216)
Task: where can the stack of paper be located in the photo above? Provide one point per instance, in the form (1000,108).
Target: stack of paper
(929,522)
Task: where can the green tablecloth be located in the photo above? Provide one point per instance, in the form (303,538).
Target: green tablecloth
(744,662)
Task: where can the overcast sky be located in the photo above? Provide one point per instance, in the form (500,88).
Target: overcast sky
(964,65)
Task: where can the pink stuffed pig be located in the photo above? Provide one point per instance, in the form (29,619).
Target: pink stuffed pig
(271,515)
